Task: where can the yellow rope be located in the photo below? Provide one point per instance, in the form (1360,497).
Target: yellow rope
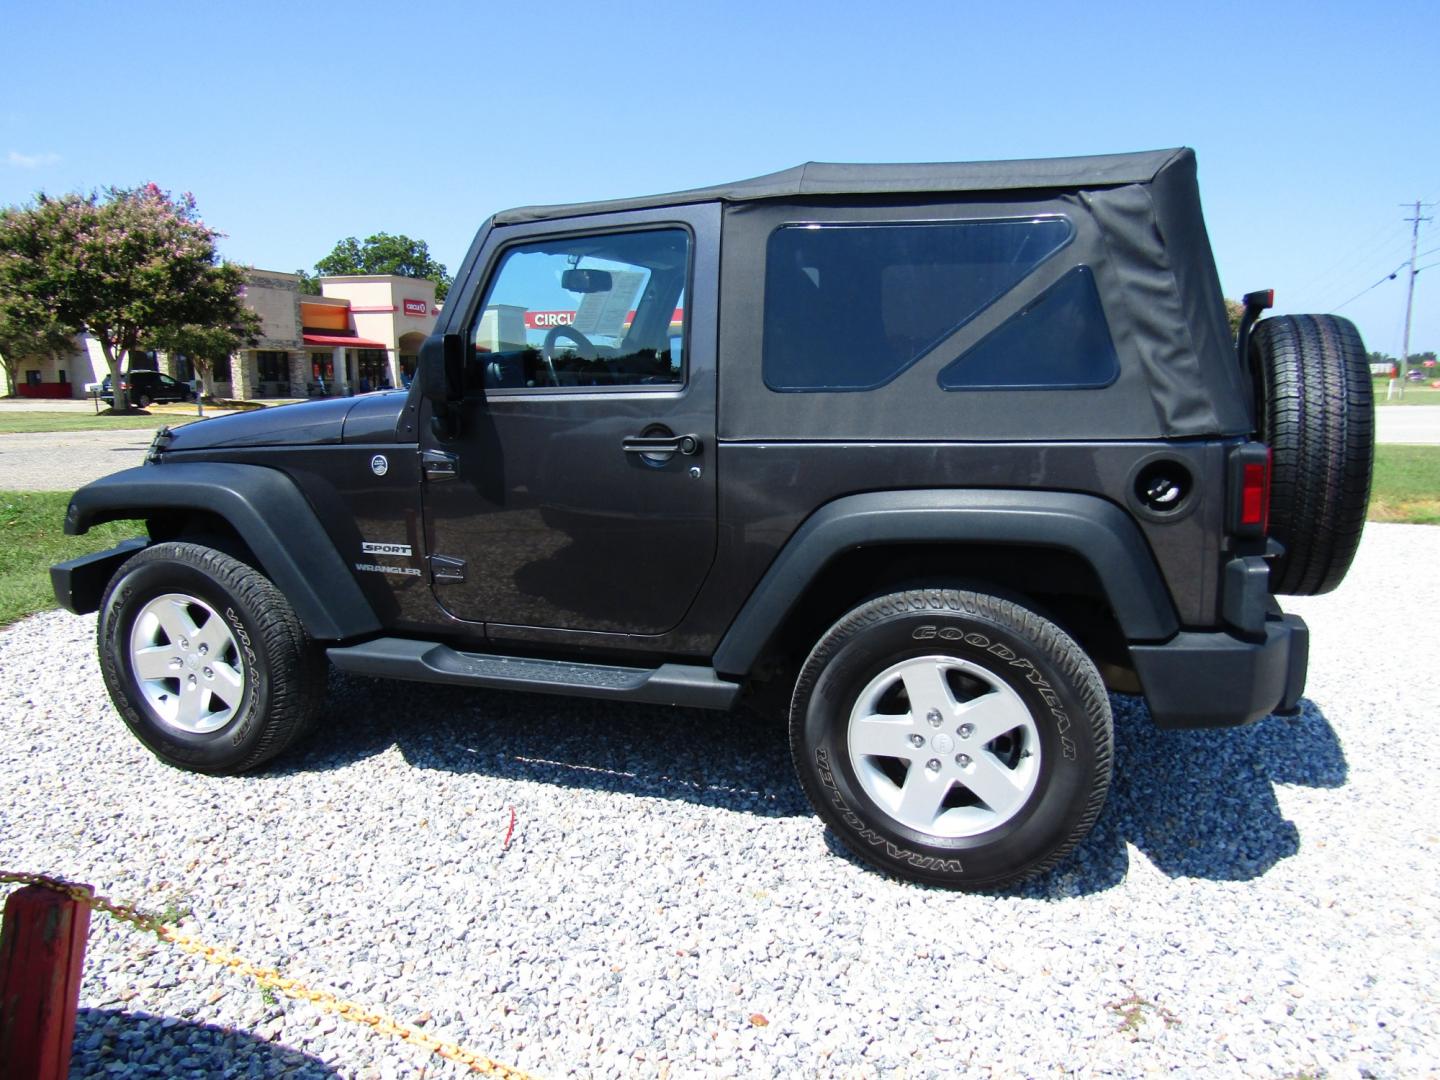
(269,976)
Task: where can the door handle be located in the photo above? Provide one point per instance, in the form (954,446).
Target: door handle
(689,445)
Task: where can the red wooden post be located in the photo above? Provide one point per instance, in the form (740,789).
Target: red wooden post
(42,950)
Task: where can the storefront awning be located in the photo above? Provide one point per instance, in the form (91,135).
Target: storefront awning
(342,339)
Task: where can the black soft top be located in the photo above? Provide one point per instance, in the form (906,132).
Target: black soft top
(832,178)
(1140,230)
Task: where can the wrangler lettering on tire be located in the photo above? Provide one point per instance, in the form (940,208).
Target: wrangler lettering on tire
(952,737)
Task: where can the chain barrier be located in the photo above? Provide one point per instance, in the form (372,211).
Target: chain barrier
(270,977)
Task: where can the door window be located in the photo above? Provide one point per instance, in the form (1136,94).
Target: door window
(585,312)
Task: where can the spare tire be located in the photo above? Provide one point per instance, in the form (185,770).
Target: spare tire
(1314,407)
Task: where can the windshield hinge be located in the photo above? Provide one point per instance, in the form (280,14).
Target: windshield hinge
(438,465)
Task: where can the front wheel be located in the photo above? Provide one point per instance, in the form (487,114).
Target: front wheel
(952,737)
(205,659)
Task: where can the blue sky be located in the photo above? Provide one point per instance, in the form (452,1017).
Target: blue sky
(298,124)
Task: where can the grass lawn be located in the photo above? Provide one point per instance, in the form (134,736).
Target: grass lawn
(14,421)
(32,537)
(1406,485)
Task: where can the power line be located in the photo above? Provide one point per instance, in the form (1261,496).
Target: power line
(1357,256)
(1388,277)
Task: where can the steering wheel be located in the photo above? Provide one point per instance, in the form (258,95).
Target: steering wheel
(583,347)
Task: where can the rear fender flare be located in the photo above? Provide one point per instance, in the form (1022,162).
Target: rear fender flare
(1096,530)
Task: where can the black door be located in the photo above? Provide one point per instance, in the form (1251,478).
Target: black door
(583,494)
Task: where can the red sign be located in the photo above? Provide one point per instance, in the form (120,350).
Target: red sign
(544,320)
(417,307)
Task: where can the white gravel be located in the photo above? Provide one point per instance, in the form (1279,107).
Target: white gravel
(1263,899)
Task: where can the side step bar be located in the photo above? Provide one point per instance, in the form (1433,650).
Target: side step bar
(428,661)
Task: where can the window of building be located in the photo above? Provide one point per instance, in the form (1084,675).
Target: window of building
(220,370)
(374,371)
(1060,340)
(849,307)
(322,368)
(593,311)
(273,366)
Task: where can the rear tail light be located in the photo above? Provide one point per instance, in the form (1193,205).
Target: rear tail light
(1250,490)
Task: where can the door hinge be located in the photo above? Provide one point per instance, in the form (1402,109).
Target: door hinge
(446,571)
(438,465)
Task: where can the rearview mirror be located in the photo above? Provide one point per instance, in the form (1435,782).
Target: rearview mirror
(586,281)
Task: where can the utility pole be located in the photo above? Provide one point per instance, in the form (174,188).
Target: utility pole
(1409,295)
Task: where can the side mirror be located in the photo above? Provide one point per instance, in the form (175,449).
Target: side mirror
(442,368)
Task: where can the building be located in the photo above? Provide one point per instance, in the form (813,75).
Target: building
(362,333)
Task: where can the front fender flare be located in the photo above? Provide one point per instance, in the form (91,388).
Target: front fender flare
(1096,530)
(271,515)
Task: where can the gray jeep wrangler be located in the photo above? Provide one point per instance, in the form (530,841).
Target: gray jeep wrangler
(941,452)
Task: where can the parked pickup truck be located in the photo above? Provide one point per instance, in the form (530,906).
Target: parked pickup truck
(938,452)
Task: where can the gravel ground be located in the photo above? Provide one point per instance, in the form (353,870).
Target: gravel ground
(1256,902)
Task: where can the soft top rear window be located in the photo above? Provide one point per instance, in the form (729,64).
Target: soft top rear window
(850,307)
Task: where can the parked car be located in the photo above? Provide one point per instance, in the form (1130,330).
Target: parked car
(145,387)
(935,454)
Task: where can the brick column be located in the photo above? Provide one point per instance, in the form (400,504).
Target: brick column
(243,375)
(299,372)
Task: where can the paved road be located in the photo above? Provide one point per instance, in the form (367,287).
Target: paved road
(63,461)
(1408,424)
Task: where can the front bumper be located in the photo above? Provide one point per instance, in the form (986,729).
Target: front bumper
(1197,680)
(80,583)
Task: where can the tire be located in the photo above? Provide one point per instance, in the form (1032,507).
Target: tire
(144,401)
(1314,406)
(182,615)
(1015,713)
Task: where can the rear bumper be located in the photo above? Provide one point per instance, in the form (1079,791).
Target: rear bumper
(1197,680)
(80,583)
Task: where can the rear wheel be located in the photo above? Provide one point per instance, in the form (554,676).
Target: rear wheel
(952,737)
(205,659)
(1314,408)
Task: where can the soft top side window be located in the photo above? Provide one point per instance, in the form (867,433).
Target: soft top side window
(1058,341)
(606,310)
(850,307)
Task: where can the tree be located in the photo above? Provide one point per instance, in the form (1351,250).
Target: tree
(386,254)
(27,332)
(205,345)
(1234,311)
(129,266)
(309,283)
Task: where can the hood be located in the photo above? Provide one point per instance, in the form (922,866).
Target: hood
(306,423)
